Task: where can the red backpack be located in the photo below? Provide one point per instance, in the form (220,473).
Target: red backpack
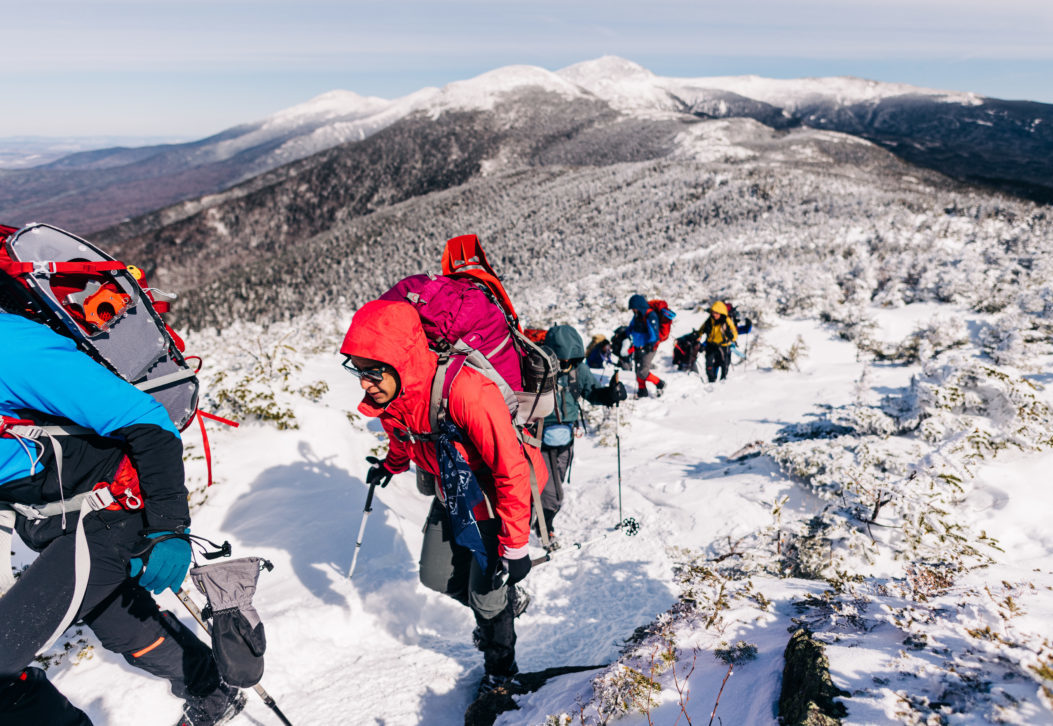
(665,318)
(536,334)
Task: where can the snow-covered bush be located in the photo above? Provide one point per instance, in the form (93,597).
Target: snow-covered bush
(935,337)
(259,380)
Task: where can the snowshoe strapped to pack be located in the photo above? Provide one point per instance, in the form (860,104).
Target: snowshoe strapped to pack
(103,305)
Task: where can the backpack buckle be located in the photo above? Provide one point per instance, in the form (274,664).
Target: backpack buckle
(101,498)
(43,268)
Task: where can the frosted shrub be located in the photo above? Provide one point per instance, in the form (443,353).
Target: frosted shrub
(260,383)
(1014,339)
(935,337)
(981,407)
(852,321)
(790,360)
(621,690)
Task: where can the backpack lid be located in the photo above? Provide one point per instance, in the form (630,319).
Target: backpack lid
(464,256)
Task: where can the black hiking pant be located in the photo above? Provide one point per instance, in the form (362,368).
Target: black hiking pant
(644,360)
(718,359)
(448,568)
(558,460)
(118,610)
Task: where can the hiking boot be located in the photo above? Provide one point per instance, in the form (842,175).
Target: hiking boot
(501,684)
(641,393)
(658,388)
(219,707)
(520,600)
(553,543)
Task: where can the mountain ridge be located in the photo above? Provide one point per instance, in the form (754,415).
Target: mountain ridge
(1004,144)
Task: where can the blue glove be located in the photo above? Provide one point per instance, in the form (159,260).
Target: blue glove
(167,563)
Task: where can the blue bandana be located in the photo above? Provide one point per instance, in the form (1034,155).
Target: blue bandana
(462,491)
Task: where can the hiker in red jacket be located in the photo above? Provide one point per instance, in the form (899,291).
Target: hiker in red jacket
(388,351)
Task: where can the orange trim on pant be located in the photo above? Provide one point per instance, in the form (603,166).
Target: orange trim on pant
(652,378)
(148,648)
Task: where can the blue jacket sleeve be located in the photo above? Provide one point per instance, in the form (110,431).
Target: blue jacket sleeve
(43,371)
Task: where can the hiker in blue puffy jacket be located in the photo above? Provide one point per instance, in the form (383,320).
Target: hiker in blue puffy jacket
(644,331)
(575,381)
(136,545)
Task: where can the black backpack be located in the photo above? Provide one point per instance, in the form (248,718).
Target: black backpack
(685,351)
(621,334)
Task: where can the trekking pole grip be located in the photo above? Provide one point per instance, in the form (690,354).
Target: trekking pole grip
(369,497)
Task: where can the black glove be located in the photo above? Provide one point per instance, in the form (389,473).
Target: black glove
(509,572)
(378,473)
(610,395)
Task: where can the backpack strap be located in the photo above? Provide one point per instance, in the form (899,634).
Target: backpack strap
(46,268)
(85,504)
(535,490)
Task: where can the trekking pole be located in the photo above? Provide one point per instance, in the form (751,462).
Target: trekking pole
(629,527)
(194,610)
(618,444)
(362,528)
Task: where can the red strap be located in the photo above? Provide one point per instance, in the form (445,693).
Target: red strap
(201,416)
(6,421)
(214,417)
(179,344)
(59,268)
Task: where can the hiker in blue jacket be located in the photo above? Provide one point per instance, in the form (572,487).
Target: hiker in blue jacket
(574,382)
(644,331)
(134,545)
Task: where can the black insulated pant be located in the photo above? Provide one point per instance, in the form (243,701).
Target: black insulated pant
(122,615)
(718,359)
(558,460)
(448,568)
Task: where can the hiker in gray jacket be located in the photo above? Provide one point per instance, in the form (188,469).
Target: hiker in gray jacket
(575,381)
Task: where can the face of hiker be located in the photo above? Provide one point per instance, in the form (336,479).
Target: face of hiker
(378,379)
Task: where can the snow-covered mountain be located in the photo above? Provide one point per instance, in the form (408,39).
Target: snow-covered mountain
(999,143)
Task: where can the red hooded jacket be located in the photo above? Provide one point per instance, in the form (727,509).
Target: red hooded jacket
(391,332)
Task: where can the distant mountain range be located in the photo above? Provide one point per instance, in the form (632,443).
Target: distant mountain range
(1007,145)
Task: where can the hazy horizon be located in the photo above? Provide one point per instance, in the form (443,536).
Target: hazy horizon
(193,68)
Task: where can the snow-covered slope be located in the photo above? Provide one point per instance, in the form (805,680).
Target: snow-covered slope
(340,649)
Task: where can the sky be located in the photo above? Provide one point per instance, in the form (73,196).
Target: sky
(191,68)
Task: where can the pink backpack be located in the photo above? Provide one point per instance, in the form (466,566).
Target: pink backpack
(466,326)
(463,323)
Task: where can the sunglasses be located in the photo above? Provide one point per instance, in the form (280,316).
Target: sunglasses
(374,374)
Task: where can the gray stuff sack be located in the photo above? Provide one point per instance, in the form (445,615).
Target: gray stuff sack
(238,640)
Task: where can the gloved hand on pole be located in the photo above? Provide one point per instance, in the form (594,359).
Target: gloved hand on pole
(510,571)
(378,474)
